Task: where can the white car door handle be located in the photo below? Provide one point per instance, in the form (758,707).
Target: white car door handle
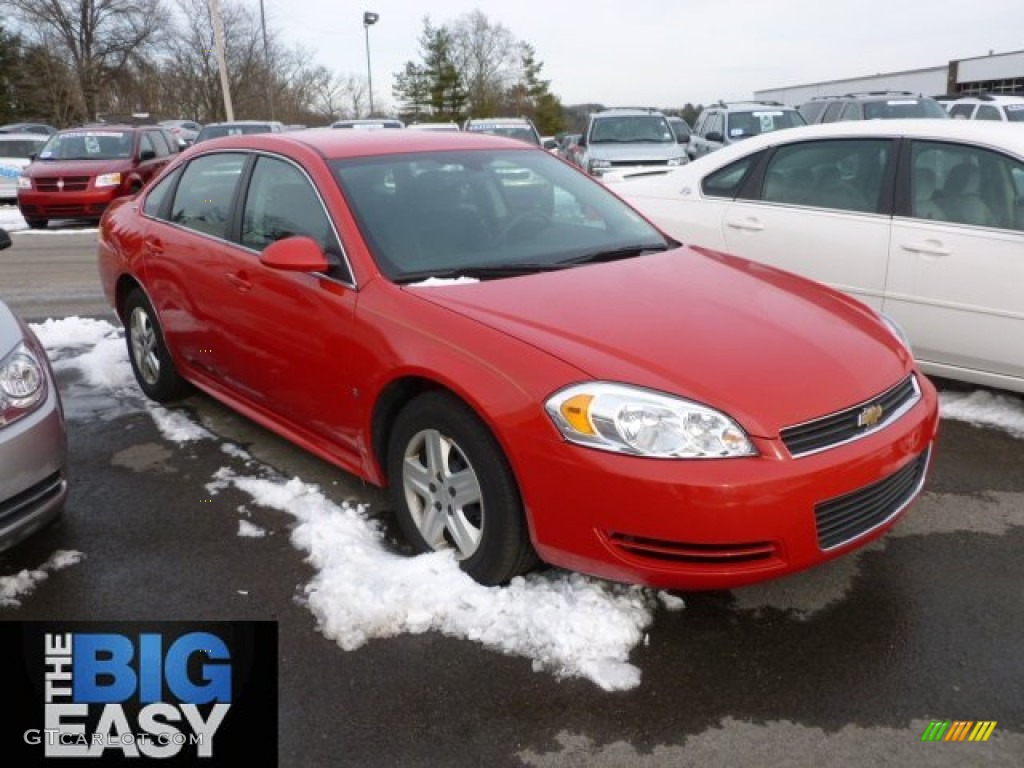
(928,247)
(750,225)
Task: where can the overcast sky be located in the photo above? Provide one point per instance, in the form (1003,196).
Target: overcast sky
(668,52)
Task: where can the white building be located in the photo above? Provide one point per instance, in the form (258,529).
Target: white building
(995,73)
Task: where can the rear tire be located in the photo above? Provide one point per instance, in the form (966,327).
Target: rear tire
(452,488)
(36,223)
(151,363)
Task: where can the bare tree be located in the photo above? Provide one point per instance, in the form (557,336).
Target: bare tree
(98,37)
(485,55)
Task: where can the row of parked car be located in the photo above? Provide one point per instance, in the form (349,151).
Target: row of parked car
(617,139)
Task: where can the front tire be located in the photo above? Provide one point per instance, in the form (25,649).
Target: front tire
(37,223)
(452,488)
(151,363)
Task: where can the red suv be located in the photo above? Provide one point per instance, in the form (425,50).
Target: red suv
(80,170)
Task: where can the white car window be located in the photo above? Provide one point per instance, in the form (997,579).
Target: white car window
(841,174)
(972,186)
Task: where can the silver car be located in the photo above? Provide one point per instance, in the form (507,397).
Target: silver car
(622,138)
(33,443)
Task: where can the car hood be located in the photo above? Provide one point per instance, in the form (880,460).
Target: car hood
(77,167)
(769,348)
(620,153)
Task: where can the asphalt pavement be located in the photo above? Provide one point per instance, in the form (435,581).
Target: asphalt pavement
(845,665)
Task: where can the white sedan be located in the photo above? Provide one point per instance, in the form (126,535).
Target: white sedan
(922,219)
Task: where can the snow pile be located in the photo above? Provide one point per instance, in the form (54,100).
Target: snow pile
(985,409)
(13,588)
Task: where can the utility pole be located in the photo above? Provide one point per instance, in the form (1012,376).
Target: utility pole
(266,61)
(218,37)
(369,18)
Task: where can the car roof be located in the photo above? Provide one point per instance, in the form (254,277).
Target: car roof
(993,133)
(334,144)
(22,135)
(108,127)
(983,98)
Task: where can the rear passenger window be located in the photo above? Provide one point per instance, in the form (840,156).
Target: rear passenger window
(203,199)
(986,112)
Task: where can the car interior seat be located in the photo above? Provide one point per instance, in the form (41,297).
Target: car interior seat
(923,190)
(961,197)
(445,222)
(830,191)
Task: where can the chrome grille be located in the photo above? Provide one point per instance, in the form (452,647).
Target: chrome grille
(846,517)
(844,426)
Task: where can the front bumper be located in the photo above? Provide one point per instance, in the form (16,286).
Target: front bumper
(85,204)
(718,524)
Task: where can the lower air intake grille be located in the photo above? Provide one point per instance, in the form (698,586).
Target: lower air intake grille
(698,554)
(846,517)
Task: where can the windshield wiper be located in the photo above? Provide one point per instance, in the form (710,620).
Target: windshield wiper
(482,272)
(614,254)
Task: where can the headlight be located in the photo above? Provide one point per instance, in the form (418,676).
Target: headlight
(895,329)
(24,182)
(625,419)
(678,160)
(22,384)
(108,180)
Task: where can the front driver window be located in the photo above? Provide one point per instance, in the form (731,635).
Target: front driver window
(282,202)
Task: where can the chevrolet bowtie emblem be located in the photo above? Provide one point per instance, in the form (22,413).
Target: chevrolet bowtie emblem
(870,416)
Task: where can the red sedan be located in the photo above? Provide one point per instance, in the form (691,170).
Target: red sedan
(531,368)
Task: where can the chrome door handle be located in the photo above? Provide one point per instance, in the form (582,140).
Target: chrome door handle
(243,285)
(749,225)
(928,247)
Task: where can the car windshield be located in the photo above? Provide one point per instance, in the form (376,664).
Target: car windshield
(20,148)
(217,131)
(367,125)
(521,132)
(743,125)
(899,108)
(632,129)
(88,145)
(486,213)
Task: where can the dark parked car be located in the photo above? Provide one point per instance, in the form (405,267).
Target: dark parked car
(33,445)
(80,170)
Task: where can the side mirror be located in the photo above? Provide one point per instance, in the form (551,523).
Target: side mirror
(5,239)
(147,154)
(582,142)
(295,254)
(714,136)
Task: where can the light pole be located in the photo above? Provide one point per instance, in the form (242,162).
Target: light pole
(369,19)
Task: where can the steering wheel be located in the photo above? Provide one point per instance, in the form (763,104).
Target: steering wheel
(538,218)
